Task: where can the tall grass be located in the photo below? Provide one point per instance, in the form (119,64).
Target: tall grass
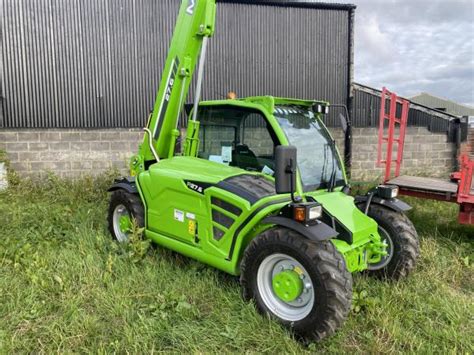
(66,286)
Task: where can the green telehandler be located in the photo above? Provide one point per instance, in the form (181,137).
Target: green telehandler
(258,190)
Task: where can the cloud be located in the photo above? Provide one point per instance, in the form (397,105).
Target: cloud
(413,46)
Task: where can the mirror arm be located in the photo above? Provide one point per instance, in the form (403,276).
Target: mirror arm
(291,170)
(346,111)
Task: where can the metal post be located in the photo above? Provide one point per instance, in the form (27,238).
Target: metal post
(381,126)
(202,61)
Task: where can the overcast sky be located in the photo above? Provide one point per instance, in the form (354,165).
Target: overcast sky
(414,46)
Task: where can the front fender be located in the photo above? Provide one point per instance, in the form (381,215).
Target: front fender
(393,203)
(317,232)
(127,184)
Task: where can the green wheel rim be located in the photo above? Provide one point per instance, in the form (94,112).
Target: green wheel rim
(125,223)
(294,299)
(122,223)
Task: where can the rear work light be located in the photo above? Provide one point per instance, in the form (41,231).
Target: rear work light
(322,109)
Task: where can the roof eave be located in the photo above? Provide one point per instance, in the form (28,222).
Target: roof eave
(301,4)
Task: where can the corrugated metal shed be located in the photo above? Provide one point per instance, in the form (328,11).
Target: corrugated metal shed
(439,103)
(97,63)
(366,111)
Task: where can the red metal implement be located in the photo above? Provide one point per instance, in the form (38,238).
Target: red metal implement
(391,139)
(466,191)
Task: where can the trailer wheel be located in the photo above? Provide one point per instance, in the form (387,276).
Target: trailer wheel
(124,207)
(303,284)
(402,240)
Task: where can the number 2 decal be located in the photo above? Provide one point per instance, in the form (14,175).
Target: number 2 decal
(190,8)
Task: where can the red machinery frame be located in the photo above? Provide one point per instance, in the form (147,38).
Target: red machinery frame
(464,195)
(466,191)
(393,121)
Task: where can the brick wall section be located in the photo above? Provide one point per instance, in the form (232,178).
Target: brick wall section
(70,153)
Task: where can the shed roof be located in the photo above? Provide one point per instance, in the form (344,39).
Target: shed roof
(449,106)
(297,3)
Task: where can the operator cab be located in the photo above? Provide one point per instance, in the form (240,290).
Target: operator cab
(244,137)
(236,136)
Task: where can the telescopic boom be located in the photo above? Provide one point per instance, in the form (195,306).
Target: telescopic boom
(194,25)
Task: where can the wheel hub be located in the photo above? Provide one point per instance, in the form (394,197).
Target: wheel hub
(125,223)
(387,254)
(287,285)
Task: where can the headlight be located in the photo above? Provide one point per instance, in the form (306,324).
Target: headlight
(307,212)
(315,212)
(387,191)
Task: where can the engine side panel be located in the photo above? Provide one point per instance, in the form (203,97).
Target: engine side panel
(186,202)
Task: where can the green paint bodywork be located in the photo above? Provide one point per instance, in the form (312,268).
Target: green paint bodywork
(167,197)
(180,218)
(287,285)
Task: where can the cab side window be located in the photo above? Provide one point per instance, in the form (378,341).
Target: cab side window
(237,137)
(213,138)
(257,142)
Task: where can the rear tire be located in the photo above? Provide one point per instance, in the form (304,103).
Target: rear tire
(123,203)
(401,236)
(321,266)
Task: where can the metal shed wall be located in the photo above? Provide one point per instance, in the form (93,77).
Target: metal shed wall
(366,111)
(97,63)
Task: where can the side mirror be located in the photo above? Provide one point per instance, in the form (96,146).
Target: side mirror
(343,120)
(285,169)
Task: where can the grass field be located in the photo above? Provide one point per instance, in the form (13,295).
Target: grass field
(65,286)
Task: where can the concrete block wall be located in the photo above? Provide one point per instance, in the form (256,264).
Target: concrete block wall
(71,153)
(68,153)
(425,153)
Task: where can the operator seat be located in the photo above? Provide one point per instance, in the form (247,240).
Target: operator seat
(244,158)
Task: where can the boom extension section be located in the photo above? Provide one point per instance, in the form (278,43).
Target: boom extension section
(195,22)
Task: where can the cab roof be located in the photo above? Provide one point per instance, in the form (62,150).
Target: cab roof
(262,102)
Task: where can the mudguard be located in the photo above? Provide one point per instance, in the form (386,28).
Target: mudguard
(127,184)
(393,203)
(317,232)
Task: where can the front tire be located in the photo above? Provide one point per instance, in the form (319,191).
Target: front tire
(124,210)
(313,308)
(402,240)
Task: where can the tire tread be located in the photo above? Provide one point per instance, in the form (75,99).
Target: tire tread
(329,264)
(403,234)
(133,204)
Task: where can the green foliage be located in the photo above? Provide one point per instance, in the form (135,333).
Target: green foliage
(361,301)
(137,246)
(66,286)
(12,177)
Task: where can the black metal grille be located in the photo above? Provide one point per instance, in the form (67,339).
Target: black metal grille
(220,218)
(226,206)
(218,234)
